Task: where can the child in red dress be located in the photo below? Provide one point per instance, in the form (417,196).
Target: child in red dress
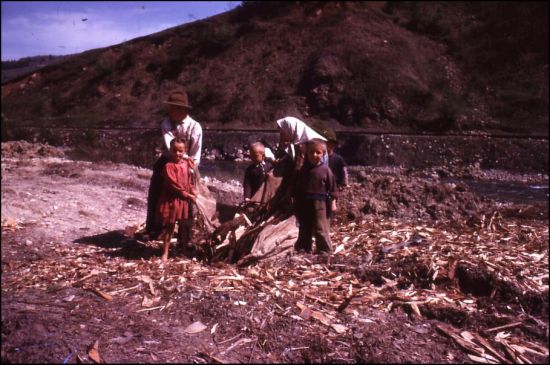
(177,194)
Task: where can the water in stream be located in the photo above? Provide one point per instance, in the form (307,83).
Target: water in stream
(508,192)
(500,191)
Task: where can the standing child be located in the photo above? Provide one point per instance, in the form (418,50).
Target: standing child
(254,175)
(176,196)
(335,161)
(315,198)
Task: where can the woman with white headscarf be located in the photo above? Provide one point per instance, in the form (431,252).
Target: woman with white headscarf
(292,131)
(293,135)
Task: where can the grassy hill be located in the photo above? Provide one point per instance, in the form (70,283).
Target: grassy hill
(444,67)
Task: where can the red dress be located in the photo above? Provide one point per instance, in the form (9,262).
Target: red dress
(177,184)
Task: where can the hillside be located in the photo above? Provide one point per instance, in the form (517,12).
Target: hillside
(441,67)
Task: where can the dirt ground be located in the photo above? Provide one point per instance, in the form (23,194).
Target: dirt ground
(424,271)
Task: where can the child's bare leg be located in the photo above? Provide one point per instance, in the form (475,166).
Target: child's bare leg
(165,249)
(166,236)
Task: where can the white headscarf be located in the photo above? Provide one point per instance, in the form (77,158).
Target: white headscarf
(298,131)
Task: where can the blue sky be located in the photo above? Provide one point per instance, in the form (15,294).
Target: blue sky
(32,28)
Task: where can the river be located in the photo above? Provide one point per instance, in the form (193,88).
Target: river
(500,191)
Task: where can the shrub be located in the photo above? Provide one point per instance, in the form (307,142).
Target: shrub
(450,108)
(202,95)
(105,65)
(125,61)
(216,39)
(259,9)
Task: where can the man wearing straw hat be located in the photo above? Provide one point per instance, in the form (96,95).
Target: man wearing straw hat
(177,124)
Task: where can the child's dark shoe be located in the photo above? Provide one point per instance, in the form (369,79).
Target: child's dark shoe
(323,257)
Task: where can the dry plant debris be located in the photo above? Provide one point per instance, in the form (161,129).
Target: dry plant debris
(471,286)
(445,270)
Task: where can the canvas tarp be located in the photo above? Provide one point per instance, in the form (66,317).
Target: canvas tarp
(273,240)
(260,231)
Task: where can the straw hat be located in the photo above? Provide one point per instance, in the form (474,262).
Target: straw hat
(178,98)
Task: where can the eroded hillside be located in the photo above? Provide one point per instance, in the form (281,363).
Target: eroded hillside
(401,67)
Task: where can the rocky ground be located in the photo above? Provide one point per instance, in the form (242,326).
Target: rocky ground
(425,270)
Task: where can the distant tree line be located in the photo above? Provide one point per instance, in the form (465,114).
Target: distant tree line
(12,69)
(27,61)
